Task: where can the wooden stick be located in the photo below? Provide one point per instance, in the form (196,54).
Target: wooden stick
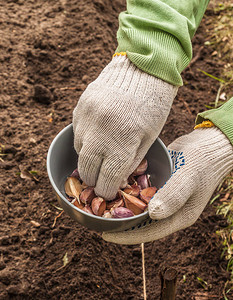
(168,284)
(143,271)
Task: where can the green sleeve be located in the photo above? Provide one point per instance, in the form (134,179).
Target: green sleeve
(222,118)
(156,35)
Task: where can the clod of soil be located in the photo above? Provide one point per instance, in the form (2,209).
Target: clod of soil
(42,94)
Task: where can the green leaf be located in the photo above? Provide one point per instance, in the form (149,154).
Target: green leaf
(34,172)
(208,106)
(202,282)
(215,198)
(211,76)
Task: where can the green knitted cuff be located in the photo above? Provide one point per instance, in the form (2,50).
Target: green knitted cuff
(154,52)
(222,118)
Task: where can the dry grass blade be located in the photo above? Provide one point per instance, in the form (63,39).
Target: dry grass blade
(28,175)
(34,223)
(65,260)
(2,147)
(218,95)
(57,207)
(55,219)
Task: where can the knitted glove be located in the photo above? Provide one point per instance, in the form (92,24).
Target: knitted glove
(115,122)
(201,160)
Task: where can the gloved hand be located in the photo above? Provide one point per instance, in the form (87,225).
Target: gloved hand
(201,160)
(115,122)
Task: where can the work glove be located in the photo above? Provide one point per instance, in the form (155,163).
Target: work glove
(201,160)
(116,120)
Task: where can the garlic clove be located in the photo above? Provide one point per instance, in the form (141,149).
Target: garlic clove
(87,195)
(88,209)
(98,206)
(75,174)
(142,181)
(133,190)
(73,187)
(121,212)
(147,194)
(107,214)
(132,180)
(141,169)
(77,203)
(114,203)
(136,205)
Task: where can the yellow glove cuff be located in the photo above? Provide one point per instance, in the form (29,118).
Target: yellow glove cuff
(119,53)
(204,124)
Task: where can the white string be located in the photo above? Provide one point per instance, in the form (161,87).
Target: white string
(143,271)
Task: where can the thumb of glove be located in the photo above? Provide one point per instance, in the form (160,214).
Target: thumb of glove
(176,191)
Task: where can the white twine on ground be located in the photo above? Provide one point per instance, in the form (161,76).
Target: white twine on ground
(143,271)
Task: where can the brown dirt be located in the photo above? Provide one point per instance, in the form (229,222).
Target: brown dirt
(49,51)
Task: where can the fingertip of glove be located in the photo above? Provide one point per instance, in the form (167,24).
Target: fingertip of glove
(155,215)
(109,237)
(156,211)
(104,193)
(105,236)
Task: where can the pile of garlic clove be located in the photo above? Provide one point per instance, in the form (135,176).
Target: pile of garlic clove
(130,201)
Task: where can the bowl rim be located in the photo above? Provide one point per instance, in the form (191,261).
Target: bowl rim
(60,133)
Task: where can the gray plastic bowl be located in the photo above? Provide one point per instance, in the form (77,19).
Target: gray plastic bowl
(62,160)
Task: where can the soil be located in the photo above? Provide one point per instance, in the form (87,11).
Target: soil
(49,51)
